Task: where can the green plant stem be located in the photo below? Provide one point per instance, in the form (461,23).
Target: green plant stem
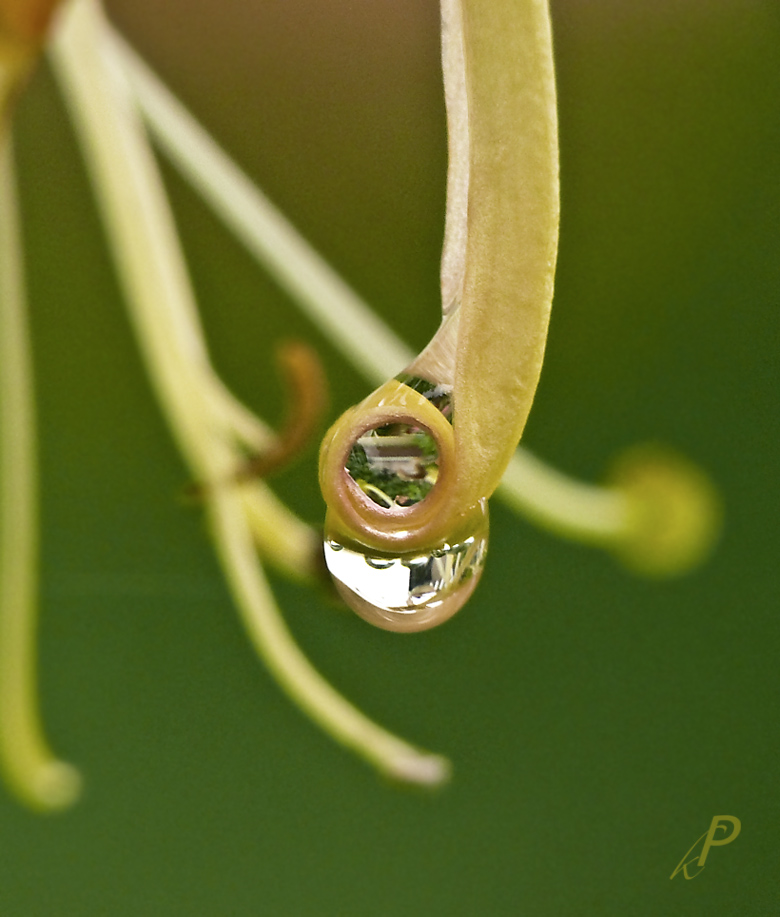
(40,779)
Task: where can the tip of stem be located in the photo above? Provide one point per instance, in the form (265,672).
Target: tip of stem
(57,785)
(420,769)
(675,512)
(52,786)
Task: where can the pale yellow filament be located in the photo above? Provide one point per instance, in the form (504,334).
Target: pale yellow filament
(162,307)
(39,778)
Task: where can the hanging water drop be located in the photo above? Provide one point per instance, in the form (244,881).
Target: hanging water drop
(412,591)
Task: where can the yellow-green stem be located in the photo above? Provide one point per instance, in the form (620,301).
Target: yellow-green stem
(40,779)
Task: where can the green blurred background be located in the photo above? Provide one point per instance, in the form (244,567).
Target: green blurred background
(597,721)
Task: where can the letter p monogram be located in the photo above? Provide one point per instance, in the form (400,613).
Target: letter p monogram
(710,840)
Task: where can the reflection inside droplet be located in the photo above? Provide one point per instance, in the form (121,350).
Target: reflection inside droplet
(395,465)
(413,591)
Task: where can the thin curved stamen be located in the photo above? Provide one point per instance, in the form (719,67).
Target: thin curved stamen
(267,234)
(563,505)
(315,696)
(39,778)
(304,379)
(162,307)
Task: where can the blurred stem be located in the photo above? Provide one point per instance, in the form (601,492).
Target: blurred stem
(41,780)
(587,512)
(268,235)
(570,508)
(313,694)
(162,307)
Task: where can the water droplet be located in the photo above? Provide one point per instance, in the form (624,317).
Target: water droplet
(412,591)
